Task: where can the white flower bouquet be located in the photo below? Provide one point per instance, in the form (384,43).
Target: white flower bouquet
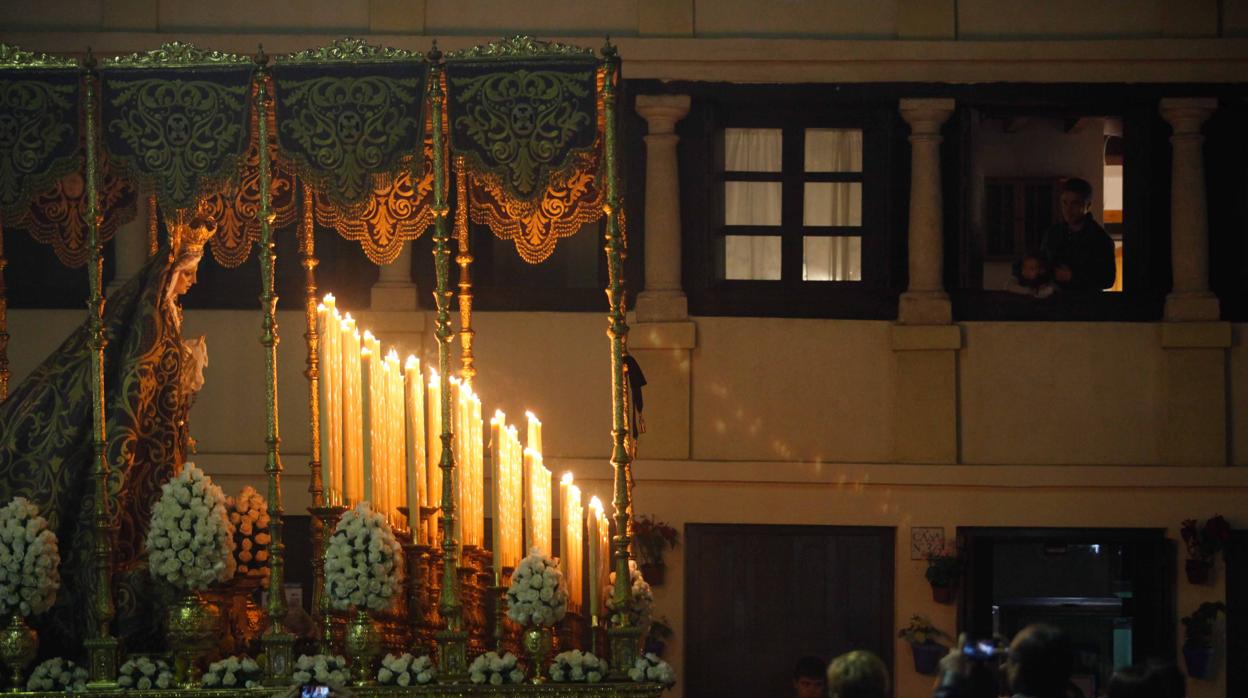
(57,675)
(29,558)
(405,670)
(190,544)
(363,561)
(234,672)
(575,665)
(144,673)
(538,595)
(650,668)
(249,515)
(641,598)
(495,670)
(321,669)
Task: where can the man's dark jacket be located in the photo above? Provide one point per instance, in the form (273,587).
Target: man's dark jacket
(1089,253)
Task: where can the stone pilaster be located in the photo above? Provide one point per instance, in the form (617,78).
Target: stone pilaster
(925,301)
(395,290)
(663,299)
(1190,299)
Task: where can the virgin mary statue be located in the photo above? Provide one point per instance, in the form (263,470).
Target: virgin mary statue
(151,375)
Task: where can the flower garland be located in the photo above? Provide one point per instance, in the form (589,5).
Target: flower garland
(538,594)
(323,669)
(249,515)
(58,675)
(641,598)
(143,673)
(495,670)
(190,544)
(362,561)
(575,665)
(241,672)
(29,558)
(405,670)
(650,668)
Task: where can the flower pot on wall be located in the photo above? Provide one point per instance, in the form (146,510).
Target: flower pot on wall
(1199,661)
(947,594)
(927,657)
(653,573)
(1198,571)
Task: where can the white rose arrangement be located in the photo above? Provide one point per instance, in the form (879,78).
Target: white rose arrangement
(405,670)
(190,544)
(249,515)
(650,668)
(234,672)
(29,558)
(495,670)
(57,675)
(538,595)
(143,673)
(641,597)
(575,665)
(323,669)
(363,561)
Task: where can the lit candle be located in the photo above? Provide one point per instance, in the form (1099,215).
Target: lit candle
(598,534)
(565,522)
(433,448)
(535,432)
(352,429)
(478,475)
(331,375)
(514,498)
(578,539)
(497,454)
(414,444)
(398,445)
(323,330)
(366,419)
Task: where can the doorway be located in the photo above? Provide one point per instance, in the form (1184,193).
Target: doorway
(757,598)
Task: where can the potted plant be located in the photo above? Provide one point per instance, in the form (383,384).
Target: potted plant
(653,539)
(1203,542)
(1198,638)
(658,637)
(922,635)
(943,572)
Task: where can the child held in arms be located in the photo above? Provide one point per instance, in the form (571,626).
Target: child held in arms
(1032,278)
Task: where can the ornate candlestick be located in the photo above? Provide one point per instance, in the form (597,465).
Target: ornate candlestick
(328,518)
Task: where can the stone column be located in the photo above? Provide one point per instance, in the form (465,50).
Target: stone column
(925,301)
(130,246)
(395,289)
(1190,298)
(663,299)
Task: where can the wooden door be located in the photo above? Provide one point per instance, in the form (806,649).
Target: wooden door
(757,598)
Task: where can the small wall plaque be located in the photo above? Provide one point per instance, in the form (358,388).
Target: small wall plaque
(925,541)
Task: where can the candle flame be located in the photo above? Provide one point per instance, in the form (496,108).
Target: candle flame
(595,504)
(365,352)
(320,307)
(329,298)
(499,417)
(412,363)
(368,335)
(530,415)
(392,355)
(566,479)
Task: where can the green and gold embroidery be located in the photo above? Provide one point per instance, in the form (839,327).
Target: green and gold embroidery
(177,137)
(37,137)
(522,124)
(342,129)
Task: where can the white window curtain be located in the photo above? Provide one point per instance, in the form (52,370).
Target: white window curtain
(752,257)
(832,204)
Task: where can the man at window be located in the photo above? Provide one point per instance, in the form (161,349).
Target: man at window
(1079,251)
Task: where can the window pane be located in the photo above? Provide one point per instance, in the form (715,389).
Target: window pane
(751,203)
(752,149)
(833,150)
(831,259)
(832,203)
(752,257)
